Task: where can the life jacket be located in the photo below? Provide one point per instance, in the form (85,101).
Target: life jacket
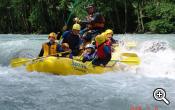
(89,57)
(108,43)
(50,50)
(100,49)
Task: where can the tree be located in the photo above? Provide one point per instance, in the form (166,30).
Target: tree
(160,17)
(44,16)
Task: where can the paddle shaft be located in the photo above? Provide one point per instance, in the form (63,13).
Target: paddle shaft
(40,57)
(128,61)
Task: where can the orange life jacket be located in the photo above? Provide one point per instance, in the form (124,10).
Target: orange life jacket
(50,50)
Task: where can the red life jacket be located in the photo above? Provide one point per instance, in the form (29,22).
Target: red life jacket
(100,49)
(108,43)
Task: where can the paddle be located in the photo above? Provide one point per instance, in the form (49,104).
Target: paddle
(129,60)
(125,54)
(134,60)
(129,54)
(22,61)
(126,57)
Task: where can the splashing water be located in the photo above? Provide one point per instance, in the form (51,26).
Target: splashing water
(118,90)
(158,59)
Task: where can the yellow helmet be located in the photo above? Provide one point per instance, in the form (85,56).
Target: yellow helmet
(52,34)
(103,33)
(76,26)
(109,31)
(100,39)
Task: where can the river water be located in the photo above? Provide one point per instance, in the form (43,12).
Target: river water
(119,90)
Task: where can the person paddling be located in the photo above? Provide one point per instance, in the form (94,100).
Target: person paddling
(64,47)
(103,51)
(73,39)
(109,35)
(49,48)
(89,53)
(95,23)
(109,39)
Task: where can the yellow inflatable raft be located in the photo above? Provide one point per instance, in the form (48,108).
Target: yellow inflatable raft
(66,66)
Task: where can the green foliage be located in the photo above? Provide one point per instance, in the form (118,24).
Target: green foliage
(161,17)
(44,16)
(36,20)
(77,8)
(160,26)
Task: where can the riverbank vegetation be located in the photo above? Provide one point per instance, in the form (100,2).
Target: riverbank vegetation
(124,16)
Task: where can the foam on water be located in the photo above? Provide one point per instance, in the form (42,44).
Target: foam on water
(21,46)
(157,59)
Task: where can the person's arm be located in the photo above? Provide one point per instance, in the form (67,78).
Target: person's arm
(113,40)
(80,44)
(66,37)
(107,49)
(83,31)
(85,58)
(65,40)
(65,34)
(59,49)
(41,53)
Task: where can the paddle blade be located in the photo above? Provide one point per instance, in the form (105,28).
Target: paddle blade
(129,54)
(131,61)
(19,62)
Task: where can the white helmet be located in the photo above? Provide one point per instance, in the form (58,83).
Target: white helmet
(90,46)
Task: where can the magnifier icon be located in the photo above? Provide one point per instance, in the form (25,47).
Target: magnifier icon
(159,94)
